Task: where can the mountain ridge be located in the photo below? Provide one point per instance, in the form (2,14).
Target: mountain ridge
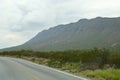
(84,34)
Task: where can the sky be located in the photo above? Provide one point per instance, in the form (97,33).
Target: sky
(20,20)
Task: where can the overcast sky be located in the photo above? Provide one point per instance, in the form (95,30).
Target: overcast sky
(20,20)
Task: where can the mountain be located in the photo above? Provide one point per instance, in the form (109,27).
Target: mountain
(84,34)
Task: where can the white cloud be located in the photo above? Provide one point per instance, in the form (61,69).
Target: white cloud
(20,20)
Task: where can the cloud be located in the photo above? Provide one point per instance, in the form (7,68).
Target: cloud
(20,20)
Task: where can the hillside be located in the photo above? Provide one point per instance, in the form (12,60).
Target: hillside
(84,34)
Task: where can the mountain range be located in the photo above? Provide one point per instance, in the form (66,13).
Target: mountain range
(101,32)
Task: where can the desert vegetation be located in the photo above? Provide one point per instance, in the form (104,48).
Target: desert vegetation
(87,62)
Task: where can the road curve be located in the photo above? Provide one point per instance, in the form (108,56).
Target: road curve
(19,69)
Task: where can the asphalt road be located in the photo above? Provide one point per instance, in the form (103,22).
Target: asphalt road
(18,69)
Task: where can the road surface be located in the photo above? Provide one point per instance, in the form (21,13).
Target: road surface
(18,69)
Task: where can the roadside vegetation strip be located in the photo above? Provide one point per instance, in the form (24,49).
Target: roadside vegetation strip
(109,74)
(27,71)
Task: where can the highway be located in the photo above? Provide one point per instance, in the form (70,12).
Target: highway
(19,69)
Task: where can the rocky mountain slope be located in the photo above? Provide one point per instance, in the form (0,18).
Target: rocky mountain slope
(84,34)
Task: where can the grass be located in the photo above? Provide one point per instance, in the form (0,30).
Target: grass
(109,74)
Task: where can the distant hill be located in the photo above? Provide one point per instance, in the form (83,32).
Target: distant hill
(84,34)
